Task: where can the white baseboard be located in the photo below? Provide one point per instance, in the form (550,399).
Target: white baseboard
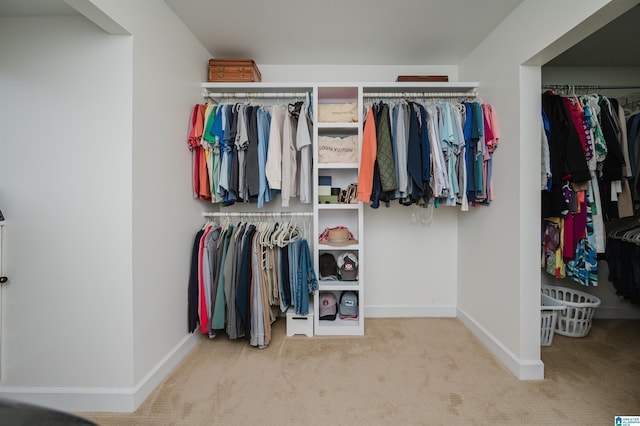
(409,311)
(522,369)
(115,400)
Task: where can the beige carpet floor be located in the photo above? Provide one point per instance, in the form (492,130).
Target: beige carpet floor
(409,371)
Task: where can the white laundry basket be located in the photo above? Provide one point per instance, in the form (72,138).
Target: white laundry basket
(549,309)
(575,321)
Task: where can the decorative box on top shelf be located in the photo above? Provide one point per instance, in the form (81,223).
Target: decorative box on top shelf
(422,78)
(233,70)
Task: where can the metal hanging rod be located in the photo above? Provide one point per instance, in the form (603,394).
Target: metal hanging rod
(256,214)
(588,87)
(245,95)
(471,94)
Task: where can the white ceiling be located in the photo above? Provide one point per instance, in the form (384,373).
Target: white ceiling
(348,32)
(361,32)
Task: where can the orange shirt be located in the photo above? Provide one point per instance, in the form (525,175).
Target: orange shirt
(368,158)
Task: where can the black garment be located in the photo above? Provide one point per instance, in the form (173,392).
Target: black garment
(614,162)
(610,124)
(252,175)
(425,146)
(243,295)
(566,154)
(234,331)
(284,274)
(414,155)
(192,292)
(623,259)
(376,191)
(233,122)
(633,135)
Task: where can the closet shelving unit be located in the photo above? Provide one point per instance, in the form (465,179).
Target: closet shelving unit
(332,215)
(342,174)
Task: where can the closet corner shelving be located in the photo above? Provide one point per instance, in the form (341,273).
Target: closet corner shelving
(342,174)
(332,215)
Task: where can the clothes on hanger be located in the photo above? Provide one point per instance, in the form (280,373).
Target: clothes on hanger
(633,148)
(242,275)
(250,153)
(437,152)
(584,182)
(623,258)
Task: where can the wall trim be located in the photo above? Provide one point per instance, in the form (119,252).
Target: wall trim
(115,400)
(528,369)
(409,311)
(127,400)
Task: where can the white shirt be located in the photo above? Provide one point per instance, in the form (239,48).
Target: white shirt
(289,161)
(303,143)
(273,168)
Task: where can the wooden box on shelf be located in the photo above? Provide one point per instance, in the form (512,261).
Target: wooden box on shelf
(422,78)
(233,70)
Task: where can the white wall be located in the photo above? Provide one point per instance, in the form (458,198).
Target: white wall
(511,225)
(353,73)
(65,189)
(411,262)
(98,197)
(168,67)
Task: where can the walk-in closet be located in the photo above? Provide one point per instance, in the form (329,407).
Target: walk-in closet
(111,198)
(608,80)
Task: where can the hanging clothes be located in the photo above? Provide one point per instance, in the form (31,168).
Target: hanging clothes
(623,258)
(584,134)
(633,144)
(428,153)
(242,275)
(249,153)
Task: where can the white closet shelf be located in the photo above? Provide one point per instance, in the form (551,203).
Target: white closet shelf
(338,285)
(419,86)
(339,88)
(338,126)
(337,206)
(258,87)
(327,247)
(337,165)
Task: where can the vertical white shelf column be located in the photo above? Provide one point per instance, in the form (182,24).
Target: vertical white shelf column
(332,215)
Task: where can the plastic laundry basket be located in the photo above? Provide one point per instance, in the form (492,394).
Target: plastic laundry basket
(549,308)
(575,321)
